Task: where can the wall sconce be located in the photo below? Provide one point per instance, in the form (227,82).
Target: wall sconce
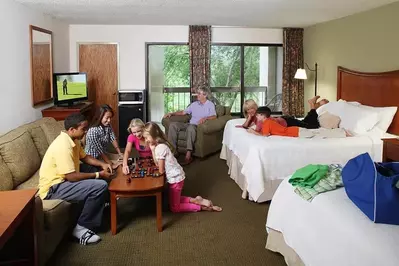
(301,74)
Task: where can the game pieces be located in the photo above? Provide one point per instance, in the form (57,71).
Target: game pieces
(144,167)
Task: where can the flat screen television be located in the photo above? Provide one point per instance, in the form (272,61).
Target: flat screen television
(69,88)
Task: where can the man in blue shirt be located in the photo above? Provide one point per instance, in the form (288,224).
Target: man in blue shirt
(200,111)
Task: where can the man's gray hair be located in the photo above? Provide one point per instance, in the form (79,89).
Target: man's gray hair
(203,89)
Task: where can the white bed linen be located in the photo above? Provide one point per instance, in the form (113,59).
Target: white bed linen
(275,157)
(331,230)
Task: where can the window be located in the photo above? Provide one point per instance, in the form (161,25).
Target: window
(238,72)
(168,79)
(241,72)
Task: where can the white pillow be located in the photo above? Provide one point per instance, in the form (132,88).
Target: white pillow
(385,114)
(335,108)
(357,119)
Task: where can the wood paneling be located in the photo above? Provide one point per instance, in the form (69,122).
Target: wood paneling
(373,89)
(41,65)
(100,62)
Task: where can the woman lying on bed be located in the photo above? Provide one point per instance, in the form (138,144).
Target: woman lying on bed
(310,121)
(270,127)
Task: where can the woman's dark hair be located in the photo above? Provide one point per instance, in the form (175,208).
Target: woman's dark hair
(264,110)
(100,114)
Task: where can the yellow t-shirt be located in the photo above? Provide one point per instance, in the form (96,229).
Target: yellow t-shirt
(62,157)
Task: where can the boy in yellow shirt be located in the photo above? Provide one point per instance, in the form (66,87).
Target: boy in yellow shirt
(60,178)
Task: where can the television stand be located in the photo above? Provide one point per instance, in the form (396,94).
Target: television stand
(61,112)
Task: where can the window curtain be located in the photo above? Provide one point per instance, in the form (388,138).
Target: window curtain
(293,89)
(200,56)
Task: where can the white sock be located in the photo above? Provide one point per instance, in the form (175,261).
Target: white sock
(89,237)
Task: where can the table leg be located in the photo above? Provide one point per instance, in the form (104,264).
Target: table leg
(159,211)
(114,218)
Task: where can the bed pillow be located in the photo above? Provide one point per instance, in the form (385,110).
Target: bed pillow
(385,116)
(335,108)
(329,121)
(357,119)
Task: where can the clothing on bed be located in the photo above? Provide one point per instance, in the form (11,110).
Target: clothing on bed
(270,127)
(331,181)
(310,121)
(309,175)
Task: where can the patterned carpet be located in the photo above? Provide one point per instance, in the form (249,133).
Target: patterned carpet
(235,236)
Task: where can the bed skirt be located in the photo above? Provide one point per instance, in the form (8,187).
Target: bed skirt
(235,167)
(276,243)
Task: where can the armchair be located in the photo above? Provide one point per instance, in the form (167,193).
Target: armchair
(209,134)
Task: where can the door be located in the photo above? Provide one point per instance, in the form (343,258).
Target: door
(100,62)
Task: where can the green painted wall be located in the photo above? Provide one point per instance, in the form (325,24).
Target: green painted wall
(367,41)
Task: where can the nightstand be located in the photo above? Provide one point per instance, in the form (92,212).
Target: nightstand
(390,151)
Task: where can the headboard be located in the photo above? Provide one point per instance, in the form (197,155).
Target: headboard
(373,89)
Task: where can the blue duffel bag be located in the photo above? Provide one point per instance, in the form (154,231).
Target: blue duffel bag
(372,188)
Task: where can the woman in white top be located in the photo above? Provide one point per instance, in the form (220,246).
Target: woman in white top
(167,163)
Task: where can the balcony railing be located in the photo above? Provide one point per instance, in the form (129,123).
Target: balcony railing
(179,98)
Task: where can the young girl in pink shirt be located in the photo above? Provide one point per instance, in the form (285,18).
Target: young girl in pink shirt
(167,164)
(136,140)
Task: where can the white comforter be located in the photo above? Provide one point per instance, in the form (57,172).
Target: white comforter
(275,157)
(331,230)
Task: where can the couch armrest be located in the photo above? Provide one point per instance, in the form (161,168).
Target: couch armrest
(175,118)
(214,125)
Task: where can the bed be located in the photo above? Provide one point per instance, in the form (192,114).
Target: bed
(258,164)
(331,230)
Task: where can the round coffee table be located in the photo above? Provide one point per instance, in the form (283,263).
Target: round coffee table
(145,186)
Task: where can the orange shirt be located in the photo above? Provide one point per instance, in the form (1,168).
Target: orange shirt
(271,127)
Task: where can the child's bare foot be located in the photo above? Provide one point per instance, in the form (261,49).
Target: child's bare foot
(201,201)
(211,209)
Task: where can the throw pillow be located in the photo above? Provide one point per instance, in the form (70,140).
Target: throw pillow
(329,121)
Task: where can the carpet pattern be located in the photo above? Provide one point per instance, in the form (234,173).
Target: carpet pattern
(236,236)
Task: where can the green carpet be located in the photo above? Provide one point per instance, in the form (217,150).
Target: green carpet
(236,236)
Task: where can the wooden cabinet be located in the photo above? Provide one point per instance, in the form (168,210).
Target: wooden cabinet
(60,113)
(390,150)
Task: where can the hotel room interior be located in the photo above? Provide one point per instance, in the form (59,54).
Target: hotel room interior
(145,58)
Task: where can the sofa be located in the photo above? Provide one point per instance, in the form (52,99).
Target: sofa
(21,153)
(209,134)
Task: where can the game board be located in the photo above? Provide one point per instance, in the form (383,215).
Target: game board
(142,168)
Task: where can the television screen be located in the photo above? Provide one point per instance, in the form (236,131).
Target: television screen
(70,87)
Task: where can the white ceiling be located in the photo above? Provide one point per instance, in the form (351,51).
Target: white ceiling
(245,13)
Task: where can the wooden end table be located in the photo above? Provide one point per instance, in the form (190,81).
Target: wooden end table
(390,152)
(137,187)
(18,235)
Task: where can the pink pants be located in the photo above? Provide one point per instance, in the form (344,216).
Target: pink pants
(179,203)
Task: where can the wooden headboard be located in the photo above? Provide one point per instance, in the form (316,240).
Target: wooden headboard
(373,89)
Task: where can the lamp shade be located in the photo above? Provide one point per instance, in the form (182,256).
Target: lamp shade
(300,74)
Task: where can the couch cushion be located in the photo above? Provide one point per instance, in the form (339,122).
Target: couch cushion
(56,214)
(220,110)
(51,130)
(38,136)
(20,154)
(5,176)
(32,182)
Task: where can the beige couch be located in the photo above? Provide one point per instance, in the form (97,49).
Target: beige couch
(21,153)
(209,135)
